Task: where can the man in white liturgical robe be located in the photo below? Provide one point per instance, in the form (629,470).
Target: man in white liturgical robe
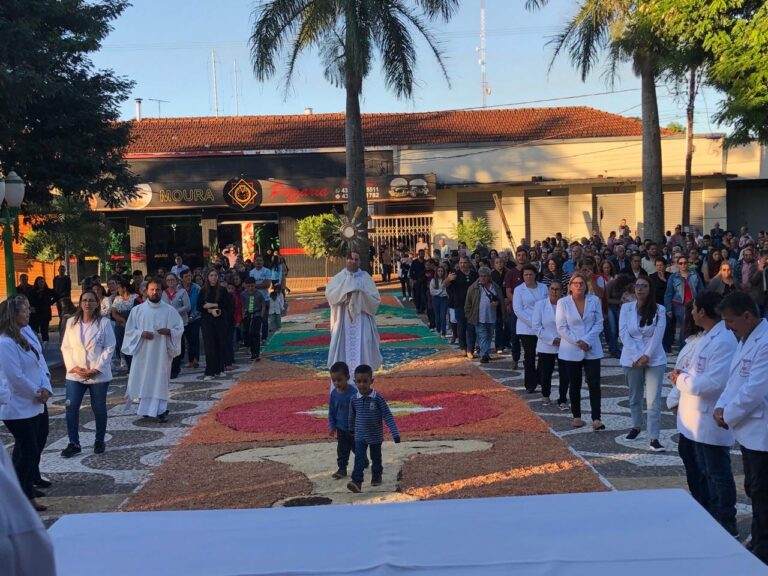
(354,299)
(153,337)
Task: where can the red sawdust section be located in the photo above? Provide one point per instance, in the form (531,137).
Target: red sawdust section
(306,305)
(192,479)
(514,412)
(519,464)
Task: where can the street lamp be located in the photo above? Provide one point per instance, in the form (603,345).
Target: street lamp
(12,190)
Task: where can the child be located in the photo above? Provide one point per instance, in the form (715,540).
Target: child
(253,305)
(367,410)
(275,311)
(338,416)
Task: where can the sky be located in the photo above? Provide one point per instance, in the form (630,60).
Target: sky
(167,47)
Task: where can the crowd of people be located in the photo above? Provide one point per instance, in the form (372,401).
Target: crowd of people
(145,325)
(553,304)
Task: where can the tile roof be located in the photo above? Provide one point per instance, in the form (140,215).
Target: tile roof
(237,133)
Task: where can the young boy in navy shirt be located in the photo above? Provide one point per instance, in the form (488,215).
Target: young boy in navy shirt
(338,416)
(367,412)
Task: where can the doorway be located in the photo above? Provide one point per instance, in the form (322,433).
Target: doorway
(250,237)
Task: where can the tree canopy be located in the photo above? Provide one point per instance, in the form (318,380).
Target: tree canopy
(733,37)
(59,128)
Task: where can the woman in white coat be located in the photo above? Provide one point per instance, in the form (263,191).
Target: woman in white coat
(523,302)
(579,319)
(704,446)
(87,348)
(547,345)
(25,373)
(641,330)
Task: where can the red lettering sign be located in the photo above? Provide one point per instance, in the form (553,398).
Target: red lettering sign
(288,194)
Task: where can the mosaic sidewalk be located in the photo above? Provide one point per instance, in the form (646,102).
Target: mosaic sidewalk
(266,443)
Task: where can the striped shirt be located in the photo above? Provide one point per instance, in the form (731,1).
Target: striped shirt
(366,417)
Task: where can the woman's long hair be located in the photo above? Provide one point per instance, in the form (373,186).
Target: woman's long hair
(78,316)
(9,311)
(207,286)
(648,310)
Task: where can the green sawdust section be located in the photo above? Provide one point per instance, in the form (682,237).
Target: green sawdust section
(281,341)
(384,311)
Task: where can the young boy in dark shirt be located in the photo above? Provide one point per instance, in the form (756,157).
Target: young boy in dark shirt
(338,416)
(367,412)
(254,307)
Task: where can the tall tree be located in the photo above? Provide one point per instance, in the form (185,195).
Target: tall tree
(348,34)
(611,28)
(59,128)
(732,35)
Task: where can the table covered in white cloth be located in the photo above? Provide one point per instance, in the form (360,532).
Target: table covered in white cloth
(630,533)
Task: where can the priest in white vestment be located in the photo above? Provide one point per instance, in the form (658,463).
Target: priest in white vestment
(153,337)
(354,299)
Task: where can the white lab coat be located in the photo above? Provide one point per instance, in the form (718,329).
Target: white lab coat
(682,363)
(701,383)
(24,374)
(572,327)
(745,398)
(641,340)
(92,347)
(545,327)
(523,301)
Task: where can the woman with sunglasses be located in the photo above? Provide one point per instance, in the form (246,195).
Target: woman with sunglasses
(682,288)
(641,330)
(579,319)
(87,348)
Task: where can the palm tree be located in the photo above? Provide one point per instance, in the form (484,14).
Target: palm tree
(615,27)
(348,35)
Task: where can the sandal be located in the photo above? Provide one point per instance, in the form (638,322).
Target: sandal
(578,423)
(597,425)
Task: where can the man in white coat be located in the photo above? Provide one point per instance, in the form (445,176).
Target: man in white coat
(743,407)
(354,299)
(704,447)
(153,337)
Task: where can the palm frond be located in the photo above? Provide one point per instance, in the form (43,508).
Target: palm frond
(317,21)
(432,42)
(274,22)
(444,9)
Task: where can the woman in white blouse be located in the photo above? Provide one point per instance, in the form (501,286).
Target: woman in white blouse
(547,345)
(641,330)
(87,348)
(23,368)
(523,302)
(579,319)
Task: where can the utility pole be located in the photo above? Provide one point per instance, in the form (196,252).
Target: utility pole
(482,53)
(215,86)
(237,95)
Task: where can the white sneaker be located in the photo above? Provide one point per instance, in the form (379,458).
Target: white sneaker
(208,378)
(410,298)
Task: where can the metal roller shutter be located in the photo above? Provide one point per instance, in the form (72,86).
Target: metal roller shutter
(673,209)
(547,216)
(481,205)
(613,208)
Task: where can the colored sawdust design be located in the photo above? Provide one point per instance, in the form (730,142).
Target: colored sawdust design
(318,359)
(304,305)
(446,363)
(325,339)
(514,413)
(419,334)
(192,478)
(395,312)
(292,415)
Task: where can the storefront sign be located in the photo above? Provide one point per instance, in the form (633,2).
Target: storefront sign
(244,193)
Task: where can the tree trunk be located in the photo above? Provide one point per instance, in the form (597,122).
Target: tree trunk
(355,150)
(689,150)
(653,200)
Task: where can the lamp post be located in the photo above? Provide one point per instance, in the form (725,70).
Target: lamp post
(13,191)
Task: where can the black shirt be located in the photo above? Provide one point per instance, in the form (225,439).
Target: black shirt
(460,286)
(418,270)
(659,286)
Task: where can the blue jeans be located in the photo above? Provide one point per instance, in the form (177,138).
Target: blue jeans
(361,448)
(440,306)
(649,379)
(678,317)
(612,329)
(485,337)
(715,464)
(514,341)
(75,392)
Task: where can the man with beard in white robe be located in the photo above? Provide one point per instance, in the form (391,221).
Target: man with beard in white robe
(354,299)
(153,337)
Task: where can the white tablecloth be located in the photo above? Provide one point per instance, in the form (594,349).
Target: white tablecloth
(648,532)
